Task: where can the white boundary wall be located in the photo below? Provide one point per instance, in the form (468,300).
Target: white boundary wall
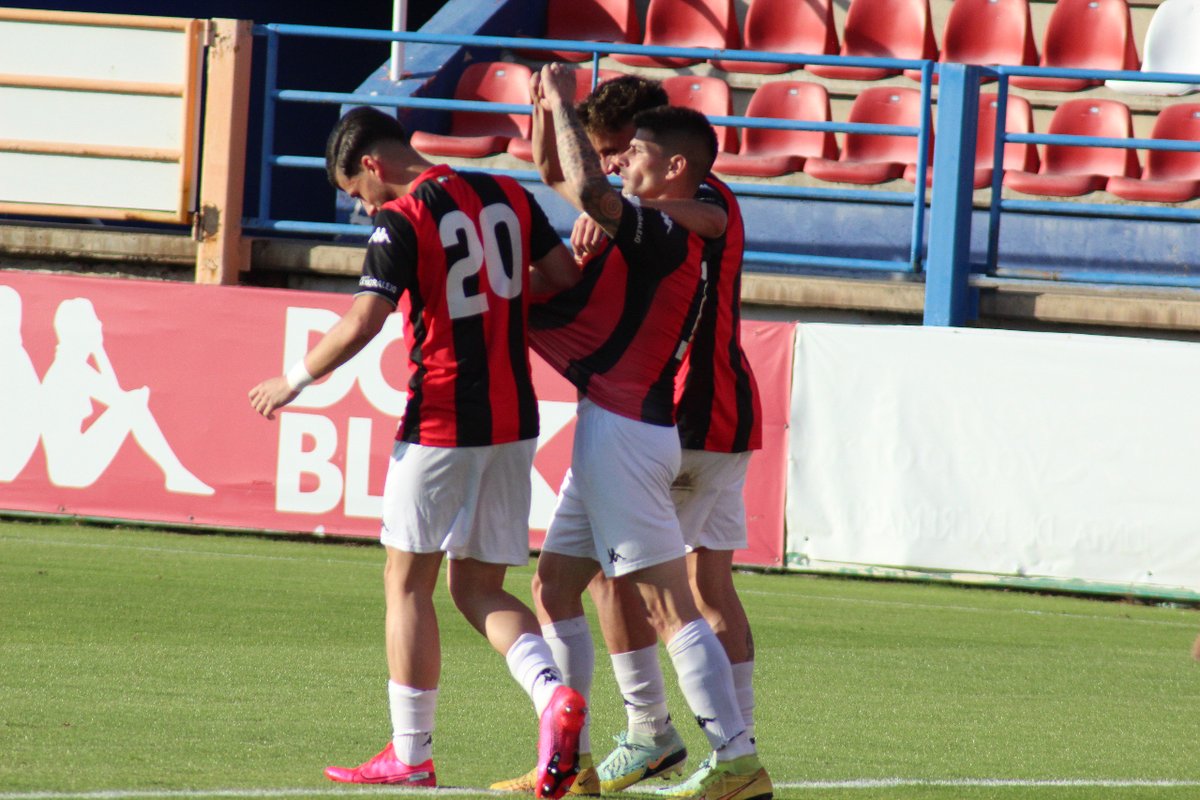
(99,114)
(1055,460)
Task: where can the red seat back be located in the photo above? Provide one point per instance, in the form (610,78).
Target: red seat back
(1090,34)
(710,96)
(785,26)
(796,100)
(1086,117)
(1180,121)
(788,26)
(885,105)
(1018,119)
(989,32)
(889,29)
(493,82)
(593,20)
(692,23)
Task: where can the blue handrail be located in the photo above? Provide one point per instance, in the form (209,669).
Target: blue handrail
(917,198)
(923,133)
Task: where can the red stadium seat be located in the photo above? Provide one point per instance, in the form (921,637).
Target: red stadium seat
(1169,176)
(989,32)
(1084,34)
(870,158)
(589,21)
(768,153)
(523,148)
(883,29)
(474,134)
(1072,170)
(709,95)
(785,26)
(1018,119)
(686,23)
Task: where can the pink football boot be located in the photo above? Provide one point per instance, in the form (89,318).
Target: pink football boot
(385,768)
(558,742)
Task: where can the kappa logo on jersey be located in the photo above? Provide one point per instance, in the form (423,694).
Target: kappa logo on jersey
(379,236)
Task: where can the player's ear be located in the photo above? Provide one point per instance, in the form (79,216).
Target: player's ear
(677,166)
(371,163)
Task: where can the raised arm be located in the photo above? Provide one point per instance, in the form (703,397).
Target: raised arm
(545,149)
(584,184)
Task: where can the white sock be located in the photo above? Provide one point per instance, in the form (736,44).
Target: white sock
(743,686)
(571,642)
(412,722)
(640,679)
(531,663)
(707,684)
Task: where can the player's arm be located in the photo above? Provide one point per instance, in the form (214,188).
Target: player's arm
(545,149)
(584,184)
(554,272)
(704,219)
(350,334)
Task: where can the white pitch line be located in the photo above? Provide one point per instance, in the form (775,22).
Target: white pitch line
(854,783)
(895,783)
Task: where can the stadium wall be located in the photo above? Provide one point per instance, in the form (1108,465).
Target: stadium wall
(124,403)
(1040,460)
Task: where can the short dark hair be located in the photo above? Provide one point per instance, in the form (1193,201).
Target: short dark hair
(355,134)
(613,103)
(682,130)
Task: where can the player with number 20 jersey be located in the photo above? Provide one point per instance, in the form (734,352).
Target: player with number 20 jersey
(465,303)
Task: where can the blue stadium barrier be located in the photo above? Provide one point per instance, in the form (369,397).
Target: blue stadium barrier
(916,199)
(947,268)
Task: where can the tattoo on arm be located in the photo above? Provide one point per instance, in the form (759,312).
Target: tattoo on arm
(584,175)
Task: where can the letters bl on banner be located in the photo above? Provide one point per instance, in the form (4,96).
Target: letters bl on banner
(128,400)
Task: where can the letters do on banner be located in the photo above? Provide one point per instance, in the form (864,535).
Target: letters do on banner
(144,386)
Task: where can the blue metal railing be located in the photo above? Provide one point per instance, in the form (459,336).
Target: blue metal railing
(916,199)
(952,191)
(999,204)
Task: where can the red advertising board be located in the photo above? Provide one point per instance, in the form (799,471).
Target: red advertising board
(128,400)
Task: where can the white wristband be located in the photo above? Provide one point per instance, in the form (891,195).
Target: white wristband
(298,377)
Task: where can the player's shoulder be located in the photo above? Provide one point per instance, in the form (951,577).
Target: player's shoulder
(716,191)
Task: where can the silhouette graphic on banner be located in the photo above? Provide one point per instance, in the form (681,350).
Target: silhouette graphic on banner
(80,377)
(20,404)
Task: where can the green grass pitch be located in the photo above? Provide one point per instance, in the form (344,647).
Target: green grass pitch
(141,663)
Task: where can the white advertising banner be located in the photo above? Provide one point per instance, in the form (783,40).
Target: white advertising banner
(1066,461)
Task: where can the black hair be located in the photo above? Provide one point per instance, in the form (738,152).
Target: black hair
(682,130)
(354,135)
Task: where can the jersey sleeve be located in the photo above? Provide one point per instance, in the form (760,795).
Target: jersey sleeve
(542,236)
(649,239)
(708,194)
(391,259)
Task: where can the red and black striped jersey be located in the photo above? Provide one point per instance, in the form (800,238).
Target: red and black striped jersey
(619,335)
(718,406)
(453,255)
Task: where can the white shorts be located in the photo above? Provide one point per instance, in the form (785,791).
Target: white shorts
(708,499)
(615,503)
(469,502)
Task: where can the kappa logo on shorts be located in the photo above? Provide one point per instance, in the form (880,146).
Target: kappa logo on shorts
(703,721)
(379,236)
(614,556)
